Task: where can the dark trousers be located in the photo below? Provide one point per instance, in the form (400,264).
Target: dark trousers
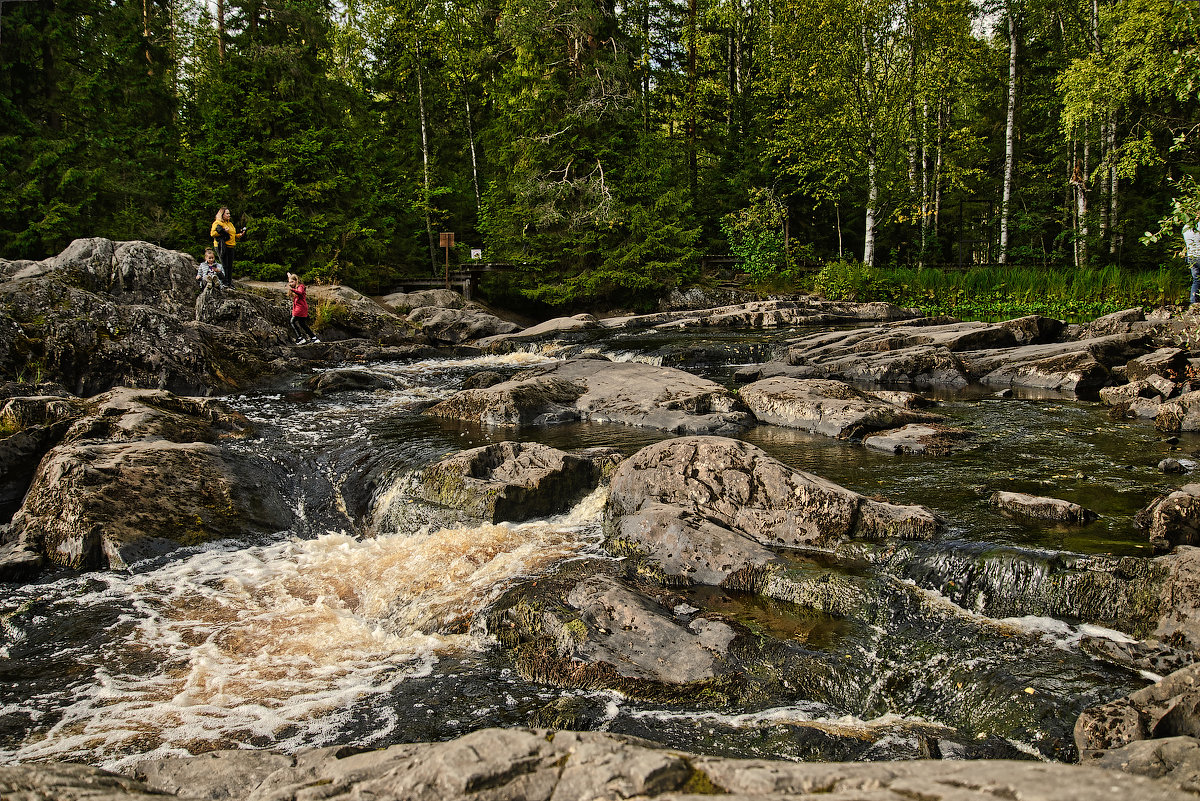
(300,328)
(225,256)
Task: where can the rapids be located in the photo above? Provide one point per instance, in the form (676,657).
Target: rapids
(363,626)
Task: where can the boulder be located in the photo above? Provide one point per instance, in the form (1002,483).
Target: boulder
(826,407)
(402,302)
(348,380)
(511,481)
(918,438)
(1167,708)
(686,546)
(1041,508)
(741,488)
(107,505)
(605,392)
(1173,519)
(103,314)
(139,474)
(456,326)
(1175,760)
(549,329)
(1027,352)
(1175,599)
(640,638)
(1165,363)
(1179,414)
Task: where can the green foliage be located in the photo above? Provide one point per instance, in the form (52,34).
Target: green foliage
(755,235)
(996,293)
(847,280)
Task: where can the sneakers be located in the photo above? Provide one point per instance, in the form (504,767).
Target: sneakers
(314,339)
(300,340)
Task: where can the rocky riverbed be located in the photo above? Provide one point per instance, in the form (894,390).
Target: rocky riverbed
(119,449)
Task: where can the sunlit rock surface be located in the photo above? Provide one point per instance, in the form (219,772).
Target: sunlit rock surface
(601,391)
(539,765)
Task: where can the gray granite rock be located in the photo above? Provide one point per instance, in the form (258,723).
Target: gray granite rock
(544,765)
(603,391)
(741,488)
(920,439)
(512,481)
(1042,508)
(827,407)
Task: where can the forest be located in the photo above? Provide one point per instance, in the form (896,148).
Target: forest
(607,149)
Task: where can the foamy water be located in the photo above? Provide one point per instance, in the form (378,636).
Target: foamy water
(279,643)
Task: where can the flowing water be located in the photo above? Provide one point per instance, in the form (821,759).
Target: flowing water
(362,625)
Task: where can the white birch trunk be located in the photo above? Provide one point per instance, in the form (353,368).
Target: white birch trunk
(1010,127)
(425,163)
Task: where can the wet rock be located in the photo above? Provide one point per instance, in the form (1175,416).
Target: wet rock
(602,391)
(1172,519)
(741,488)
(639,637)
(19,563)
(110,504)
(511,481)
(456,326)
(686,546)
(1175,599)
(1179,414)
(1165,364)
(20,454)
(540,765)
(919,439)
(138,475)
(1175,760)
(1042,508)
(402,302)
(1167,708)
(348,381)
(482,380)
(1125,593)
(1172,466)
(1149,656)
(826,407)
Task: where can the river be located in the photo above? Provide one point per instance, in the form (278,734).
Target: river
(362,626)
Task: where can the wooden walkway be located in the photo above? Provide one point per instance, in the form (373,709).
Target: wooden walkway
(463,279)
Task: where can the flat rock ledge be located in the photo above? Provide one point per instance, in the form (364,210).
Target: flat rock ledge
(827,407)
(1042,508)
(601,391)
(544,765)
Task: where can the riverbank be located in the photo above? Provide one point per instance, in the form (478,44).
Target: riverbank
(425,526)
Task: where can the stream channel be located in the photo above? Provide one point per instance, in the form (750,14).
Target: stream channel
(362,628)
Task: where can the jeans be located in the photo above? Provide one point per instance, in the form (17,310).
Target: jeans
(1194,263)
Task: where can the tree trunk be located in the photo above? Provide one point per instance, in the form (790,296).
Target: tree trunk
(474,158)
(221,31)
(428,190)
(872,202)
(1010,127)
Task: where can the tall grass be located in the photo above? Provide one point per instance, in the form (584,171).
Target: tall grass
(1001,292)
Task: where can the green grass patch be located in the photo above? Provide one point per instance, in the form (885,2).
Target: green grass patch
(1004,292)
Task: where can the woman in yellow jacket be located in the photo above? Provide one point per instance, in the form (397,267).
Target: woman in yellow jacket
(225,238)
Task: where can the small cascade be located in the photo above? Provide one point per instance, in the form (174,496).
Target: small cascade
(273,644)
